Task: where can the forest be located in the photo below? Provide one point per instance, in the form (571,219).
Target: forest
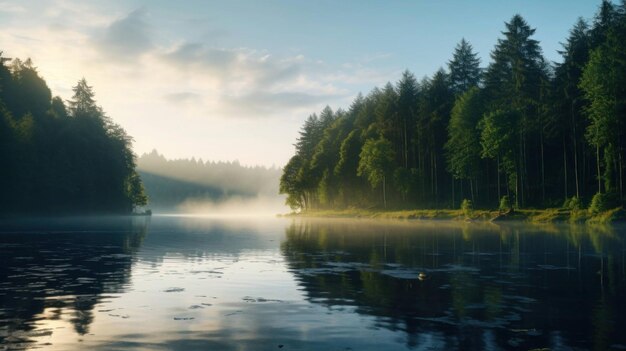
(60,158)
(170,183)
(521,132)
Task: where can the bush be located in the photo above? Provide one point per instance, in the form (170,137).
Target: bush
(597,204)
(574,203)
(467,208)
(602,202)
(505,203)
(577,214)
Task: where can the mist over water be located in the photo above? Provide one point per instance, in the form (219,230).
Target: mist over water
(261,206)
(190,186)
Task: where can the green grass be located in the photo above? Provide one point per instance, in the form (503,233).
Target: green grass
(549,215)
(610,216)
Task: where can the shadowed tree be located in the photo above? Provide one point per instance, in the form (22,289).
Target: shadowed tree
(55,164)
(513,82)
(569,100)
(463,145)
(375,162)
(499,131)
(464,68)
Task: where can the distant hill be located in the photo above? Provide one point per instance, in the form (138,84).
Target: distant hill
(172,185)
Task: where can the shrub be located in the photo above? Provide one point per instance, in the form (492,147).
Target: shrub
(505,203)
(574,203)
(598,204)
(467,208)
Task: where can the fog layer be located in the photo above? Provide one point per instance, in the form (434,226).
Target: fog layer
(199,187)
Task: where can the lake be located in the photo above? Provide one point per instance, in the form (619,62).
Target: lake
(199,283)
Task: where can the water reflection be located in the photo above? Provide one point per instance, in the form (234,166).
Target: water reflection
(52,268)
(484,286)
(192,283)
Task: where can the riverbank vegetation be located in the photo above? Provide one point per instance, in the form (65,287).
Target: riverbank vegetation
(58,157)
(549,215)
(519,133)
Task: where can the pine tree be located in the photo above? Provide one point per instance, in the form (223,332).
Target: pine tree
(464,67)
(513,83)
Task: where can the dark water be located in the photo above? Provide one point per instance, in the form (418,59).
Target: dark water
(188,283)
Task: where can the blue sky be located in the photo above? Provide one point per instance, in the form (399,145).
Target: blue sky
(226,80)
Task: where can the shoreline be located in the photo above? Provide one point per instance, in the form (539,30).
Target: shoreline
(549,215)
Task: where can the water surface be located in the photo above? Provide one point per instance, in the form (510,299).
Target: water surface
(193,283)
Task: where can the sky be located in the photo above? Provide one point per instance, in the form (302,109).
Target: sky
(234,80)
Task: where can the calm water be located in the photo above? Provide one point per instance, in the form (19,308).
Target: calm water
(184,283)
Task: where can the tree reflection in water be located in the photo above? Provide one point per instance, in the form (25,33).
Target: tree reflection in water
(487,285)
(57,268)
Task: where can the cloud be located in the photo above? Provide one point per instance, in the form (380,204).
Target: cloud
(236,65)
(182,97)
(11,8)
(194,56)
(126,38)
(246,83)
(261,103)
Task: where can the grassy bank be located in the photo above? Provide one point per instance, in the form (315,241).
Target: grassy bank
(548,215)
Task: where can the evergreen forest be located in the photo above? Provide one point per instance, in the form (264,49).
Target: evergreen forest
(519,132)
(60,157)
(172,182)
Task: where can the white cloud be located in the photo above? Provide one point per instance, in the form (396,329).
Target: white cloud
(11,7)
(126,38)
(180,95)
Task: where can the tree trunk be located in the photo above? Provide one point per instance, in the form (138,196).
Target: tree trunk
(453,192)
(564,169)
(598,167)
(498,176)
(517,190)
(406,147)
(432,176)
(621,193)
(476,188)
(436,182)
(574,138)
(543,172)
(523,175)
(384,194)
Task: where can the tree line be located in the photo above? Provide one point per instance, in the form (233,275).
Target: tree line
(171,182)
(60,157)
(522,130)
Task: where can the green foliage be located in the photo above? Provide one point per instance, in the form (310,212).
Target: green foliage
(402,180)
(464,68)
(603,85)
(375,160)
(574,203)
(60,161)
(467,208)
(505,203)
(602,202)
(576,208)
(598,204)
(291,183)
(463,146)
(498,140)
(522,127)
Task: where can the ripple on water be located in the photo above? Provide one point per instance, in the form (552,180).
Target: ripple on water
(174,289)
